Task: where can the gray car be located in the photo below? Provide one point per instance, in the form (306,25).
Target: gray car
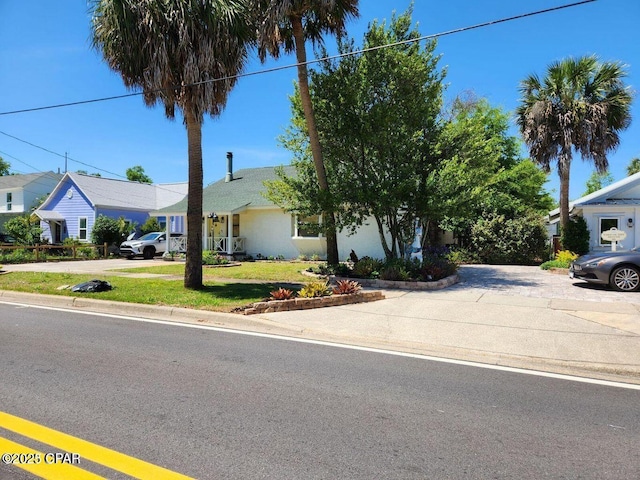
(619,270)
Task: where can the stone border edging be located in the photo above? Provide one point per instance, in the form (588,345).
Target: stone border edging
(393,284)
(307,303)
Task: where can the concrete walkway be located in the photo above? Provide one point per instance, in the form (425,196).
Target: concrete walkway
(505,315)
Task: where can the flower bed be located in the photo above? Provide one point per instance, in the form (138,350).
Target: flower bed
(408,285)
(307,303)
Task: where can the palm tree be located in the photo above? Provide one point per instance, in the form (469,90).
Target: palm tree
(580,105)
(184,54)
(286,25)
(633,167)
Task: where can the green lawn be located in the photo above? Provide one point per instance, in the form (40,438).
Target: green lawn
(262,270)
(217,295)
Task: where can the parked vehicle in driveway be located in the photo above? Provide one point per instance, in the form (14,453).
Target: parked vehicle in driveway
(147,246)
(7,239)
(620,270)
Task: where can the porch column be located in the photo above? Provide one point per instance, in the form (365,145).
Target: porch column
(204,234)
(229,234)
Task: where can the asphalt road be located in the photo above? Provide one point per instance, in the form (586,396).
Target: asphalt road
(216,405)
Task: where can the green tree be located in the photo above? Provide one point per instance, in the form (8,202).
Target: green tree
(150,225)
(482,173)
(285,25)
(23,230)
(598,181)
(136,174)
(106,230)
(581,104)
(4,167)
(377,119)
(184,54)
(575,236)
(633,167)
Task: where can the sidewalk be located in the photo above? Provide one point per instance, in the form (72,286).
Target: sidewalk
(512,316)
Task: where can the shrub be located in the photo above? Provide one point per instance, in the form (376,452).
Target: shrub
(314,289)
(500,240)
(434,268)
(575,236)
(367,267)
(21,255)
(399,270)
(106,230)
(150,225)
(282,294)
(23,230)
(563,260)
(461,255)
(209,257)
(346,287)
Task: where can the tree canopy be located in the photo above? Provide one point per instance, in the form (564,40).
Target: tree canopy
(136,174)
(184,54)
(377,119)
(581,104)
(4,167)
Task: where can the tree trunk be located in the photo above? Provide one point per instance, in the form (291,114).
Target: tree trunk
(193,264)
(563,173)
(328,215)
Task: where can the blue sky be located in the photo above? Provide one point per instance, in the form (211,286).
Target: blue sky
(46,59)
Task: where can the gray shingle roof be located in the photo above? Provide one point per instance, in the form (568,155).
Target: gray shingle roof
(245,190)
(125,194)
(19,181)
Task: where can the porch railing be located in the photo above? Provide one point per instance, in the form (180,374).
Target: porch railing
(220,244)
(178,244)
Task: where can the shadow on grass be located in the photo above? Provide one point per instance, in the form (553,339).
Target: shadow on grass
(240,291)
(246,291)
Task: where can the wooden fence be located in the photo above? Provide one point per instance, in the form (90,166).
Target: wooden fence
(64,250)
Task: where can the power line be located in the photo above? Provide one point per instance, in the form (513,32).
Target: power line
(66,157)
(309,62)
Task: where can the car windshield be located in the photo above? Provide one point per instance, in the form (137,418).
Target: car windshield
(150,236)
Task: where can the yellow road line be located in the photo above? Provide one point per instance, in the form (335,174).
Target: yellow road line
(48,471)
(87,450)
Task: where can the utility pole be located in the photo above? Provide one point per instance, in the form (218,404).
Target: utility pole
(65,162)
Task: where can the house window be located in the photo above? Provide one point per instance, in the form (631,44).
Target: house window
(307,226)
(607,224)
(9,200)
(236,225)
(82,228)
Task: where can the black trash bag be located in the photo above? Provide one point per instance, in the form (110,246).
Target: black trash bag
(92,286)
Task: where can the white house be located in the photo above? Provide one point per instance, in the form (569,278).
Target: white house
(20,193)
(615,206)
(239,220)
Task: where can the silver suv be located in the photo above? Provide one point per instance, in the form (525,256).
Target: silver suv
(147,246)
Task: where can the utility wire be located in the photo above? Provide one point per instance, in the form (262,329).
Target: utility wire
(309,62)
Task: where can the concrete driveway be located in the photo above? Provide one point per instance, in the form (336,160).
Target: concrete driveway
(529,281)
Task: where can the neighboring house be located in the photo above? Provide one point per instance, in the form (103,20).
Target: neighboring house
(239,220)
(614,206)
(77,200)
(20,193)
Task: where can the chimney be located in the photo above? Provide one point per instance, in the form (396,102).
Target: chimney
(229,175)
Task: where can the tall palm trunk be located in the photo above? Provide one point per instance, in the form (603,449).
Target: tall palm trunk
(316,149)
(193,264)
(564,171)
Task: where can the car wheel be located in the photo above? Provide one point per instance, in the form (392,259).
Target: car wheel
(149,252)
(625,279)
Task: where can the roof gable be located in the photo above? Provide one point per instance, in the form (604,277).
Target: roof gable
(111,193)
(626,191)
